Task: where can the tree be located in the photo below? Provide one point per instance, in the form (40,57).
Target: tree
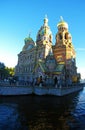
(6,72)
(10,71)
(2,67)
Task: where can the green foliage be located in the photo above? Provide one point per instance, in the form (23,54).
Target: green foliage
(6,72)
(2,66)
(10,71)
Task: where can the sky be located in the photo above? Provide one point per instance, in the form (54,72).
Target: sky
(18,18)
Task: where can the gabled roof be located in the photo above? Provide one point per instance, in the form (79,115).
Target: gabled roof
(59,67)
(58,70)
(41,64)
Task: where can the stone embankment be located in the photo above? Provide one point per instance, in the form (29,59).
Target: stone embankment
(39,90)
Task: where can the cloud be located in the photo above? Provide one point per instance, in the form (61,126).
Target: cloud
(80,49)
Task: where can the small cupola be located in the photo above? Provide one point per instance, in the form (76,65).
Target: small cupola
(29,43)
(62,24)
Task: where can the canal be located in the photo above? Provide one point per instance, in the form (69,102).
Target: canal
(43,112)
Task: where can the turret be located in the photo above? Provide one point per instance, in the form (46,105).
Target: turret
(63,37)
(44,34)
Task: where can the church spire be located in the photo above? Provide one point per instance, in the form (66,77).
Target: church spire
(29,34)
(61,18)
(44,35)
(45,21)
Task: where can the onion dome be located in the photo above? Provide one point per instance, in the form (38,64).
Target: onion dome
(62,23)
(44,31)
(29,44)
(28,40)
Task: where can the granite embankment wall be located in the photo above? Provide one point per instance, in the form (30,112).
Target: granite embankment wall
(12,90)
(24,90)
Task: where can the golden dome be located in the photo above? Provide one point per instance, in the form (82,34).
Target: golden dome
(62,23)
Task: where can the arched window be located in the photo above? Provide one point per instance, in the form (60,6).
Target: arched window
(38,37)
(66,35)
(60,36)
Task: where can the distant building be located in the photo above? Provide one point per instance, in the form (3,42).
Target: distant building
(42,58)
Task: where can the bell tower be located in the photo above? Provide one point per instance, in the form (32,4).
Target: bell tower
(44,40)
(63,49)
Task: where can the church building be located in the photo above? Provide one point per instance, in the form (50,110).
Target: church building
(43,58)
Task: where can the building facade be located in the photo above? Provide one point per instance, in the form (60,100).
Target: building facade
(42,58)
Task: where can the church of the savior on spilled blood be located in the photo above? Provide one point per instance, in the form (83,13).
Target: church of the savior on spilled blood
(43,58)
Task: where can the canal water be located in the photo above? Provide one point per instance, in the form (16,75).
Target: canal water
(43,112)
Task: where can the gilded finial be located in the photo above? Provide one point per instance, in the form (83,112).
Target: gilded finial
(29,33)
(45,21)
(61,18)
(62,23)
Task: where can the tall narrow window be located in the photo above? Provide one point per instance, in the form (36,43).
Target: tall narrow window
(60,36)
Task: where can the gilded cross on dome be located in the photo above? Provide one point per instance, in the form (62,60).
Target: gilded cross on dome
(45,21)
(29,33)
(61,18)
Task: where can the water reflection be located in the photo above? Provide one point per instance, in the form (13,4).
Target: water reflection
(43,112)
(8,117)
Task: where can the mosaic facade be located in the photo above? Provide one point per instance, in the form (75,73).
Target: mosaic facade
(42,58)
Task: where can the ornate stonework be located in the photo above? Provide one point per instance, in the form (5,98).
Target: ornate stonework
(43,58)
